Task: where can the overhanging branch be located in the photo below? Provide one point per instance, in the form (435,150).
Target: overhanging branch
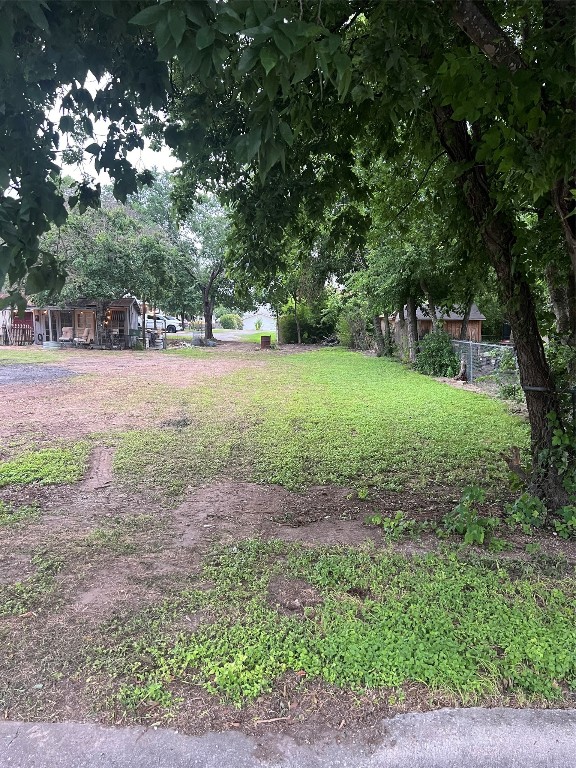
(476,21)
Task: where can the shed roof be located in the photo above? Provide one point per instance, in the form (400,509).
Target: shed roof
(423,314)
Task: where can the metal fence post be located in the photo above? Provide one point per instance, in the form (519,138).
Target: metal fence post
(471,378)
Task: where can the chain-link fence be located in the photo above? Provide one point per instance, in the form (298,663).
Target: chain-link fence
(492,367)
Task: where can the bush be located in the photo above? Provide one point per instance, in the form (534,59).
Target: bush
(436,356)
(312,329)
(233,322)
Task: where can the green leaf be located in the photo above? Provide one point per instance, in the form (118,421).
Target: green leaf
(36,280)
(66,124)
(286,133)
(36,14)
(228,25)
(344,83)
(269,58)
(283,43)
(248,58)
(205,37)
(194,13)
(177,24)
(253,141)
(92,149)
(149,16)
(304,68)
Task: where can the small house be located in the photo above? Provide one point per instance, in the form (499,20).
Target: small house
(89,323)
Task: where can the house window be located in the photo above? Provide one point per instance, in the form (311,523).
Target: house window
(118,319)
(65,319)
(84,320)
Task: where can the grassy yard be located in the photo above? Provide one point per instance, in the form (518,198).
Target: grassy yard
(192,578)
(329,417)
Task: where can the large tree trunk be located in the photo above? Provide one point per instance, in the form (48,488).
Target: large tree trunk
(465,321)
(144,323)
(297,319)
(208,309)
(412,323)
(558,292)
(402,338)
(431,306)
(378,337)
(387,335)
(277,313)
(497,232)
(566,209)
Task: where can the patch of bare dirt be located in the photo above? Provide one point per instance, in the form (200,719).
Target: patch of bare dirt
(127,582)
(14,567)
(99,473)
(292,596)
(109,391)
(227,511)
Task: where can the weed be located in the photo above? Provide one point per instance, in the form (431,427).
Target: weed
(466,521)
(14,516)
(566,526)
(527,511)
(384,620)
(47,466)
(23,596)
(397,527)
(532,548)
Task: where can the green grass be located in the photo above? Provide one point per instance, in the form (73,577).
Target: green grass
(15,516)
(255,337)
(327,417)
(26,595)
(47,467)
(470,628)
(8,355)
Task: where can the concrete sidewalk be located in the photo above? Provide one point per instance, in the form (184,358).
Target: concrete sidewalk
(463,738)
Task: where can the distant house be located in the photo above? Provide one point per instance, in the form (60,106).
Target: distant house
(262,316)
(89,323)
(17,327)
(451,323)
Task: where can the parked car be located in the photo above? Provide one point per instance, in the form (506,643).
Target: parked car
(173,325)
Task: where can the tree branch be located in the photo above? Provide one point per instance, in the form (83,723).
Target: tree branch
(476,21)
(413,195)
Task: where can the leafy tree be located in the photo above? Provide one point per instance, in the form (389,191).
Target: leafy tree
(110,252)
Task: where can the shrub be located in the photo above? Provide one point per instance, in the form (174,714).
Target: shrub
(436,356)
(310,329)
(233,322)
(466,521)
(528,512)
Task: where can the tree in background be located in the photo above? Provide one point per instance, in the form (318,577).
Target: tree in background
(110,252)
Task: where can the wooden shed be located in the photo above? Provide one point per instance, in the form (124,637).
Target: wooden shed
(451,323)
